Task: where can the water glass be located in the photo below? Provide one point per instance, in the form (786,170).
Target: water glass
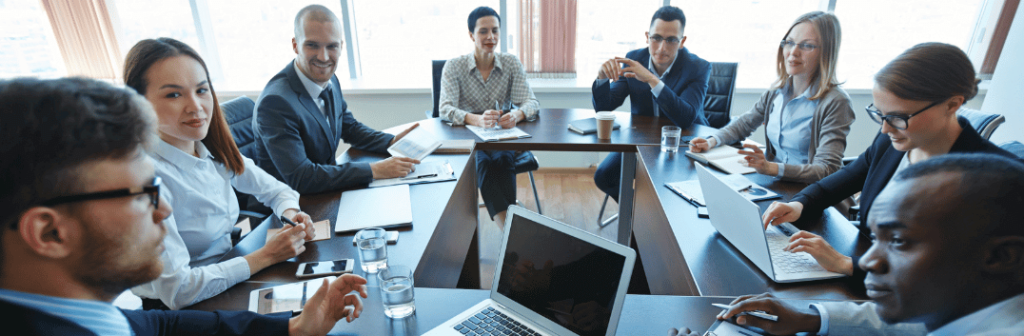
(373,251)
(396,291)
(670,138)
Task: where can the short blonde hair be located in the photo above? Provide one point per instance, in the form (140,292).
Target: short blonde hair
(831,35)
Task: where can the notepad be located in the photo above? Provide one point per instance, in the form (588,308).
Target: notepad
(323,231)
(426,172)
(460,146)
(725,158)
(691,191)
(497,134)
(386,207)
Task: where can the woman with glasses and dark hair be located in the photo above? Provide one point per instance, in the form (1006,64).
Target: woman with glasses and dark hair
(807,116)
(200,165)
(916,98)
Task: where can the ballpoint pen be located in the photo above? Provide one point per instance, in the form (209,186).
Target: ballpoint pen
(755,313)
(289,221)
(418,177)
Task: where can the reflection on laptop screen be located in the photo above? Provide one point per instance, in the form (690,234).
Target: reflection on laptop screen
(567,280)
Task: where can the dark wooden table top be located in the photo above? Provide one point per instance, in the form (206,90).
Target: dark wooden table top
(429,200)
(551,132)
(718,268)
(641,314)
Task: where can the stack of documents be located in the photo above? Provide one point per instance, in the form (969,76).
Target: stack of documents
(497,134)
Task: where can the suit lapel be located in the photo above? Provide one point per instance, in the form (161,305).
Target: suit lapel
(310,106)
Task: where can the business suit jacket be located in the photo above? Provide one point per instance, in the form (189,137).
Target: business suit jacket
(296,144)
(682,99)
(848,318)
(21,320)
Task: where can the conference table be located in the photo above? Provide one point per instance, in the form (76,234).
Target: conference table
(679,254)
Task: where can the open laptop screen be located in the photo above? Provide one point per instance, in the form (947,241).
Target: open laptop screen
(567,280)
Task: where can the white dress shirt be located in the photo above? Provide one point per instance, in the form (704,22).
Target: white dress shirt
(656,90)
(199,230)
(314,90)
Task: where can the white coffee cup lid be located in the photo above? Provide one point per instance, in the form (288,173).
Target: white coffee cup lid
(605,115)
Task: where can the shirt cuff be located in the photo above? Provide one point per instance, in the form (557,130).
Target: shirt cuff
(285,205)
(782,170)
(823,330)
(712,141)
(657,89)
(237,270)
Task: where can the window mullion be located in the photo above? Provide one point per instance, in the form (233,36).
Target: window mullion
(207,39)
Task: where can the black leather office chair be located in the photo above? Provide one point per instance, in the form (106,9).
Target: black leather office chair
(525,161)
(238,113)
(1014,147)
(438,67)
(718,100)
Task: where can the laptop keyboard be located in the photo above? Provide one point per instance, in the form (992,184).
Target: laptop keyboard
(489,321)
(788,262)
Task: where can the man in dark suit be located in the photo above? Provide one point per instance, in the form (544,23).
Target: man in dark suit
(82,221)
(663,79)
(301,115)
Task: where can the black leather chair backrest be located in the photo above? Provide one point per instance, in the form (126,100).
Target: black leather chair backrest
(1014,147)
(718,100)
(238,112)
(438,66)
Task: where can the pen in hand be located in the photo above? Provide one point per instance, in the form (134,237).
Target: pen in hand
(755,313)
(288,221)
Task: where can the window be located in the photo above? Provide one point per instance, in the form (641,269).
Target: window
(876,31)
(140,20)
(255,42)
(27,46)
(743,31)
(398,39)
(607,28)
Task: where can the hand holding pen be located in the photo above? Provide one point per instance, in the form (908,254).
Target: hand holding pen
(295,217)
(758,310)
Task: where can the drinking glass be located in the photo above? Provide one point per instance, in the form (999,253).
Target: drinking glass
(396,291)
(670,138)
(373,251)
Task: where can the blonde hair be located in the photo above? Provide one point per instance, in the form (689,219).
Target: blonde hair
(831,35)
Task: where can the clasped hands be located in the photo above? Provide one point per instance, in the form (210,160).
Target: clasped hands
(611,69)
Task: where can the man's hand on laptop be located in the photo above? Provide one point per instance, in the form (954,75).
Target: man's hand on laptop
(822,251)
(330,304)
(393,167)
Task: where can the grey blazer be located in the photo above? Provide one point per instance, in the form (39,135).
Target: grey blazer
(848,318)
(829,127)
(296,144)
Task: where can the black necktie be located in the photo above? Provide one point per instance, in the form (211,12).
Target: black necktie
(328,105)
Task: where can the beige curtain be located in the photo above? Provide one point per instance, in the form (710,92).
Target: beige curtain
(547,35)
(85,35)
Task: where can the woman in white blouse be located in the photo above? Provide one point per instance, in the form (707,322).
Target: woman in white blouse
(200,163)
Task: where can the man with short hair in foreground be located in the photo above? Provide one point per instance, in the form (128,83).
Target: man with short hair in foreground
(947,258)
(82,221)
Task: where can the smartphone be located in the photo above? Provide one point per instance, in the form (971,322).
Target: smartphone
(322,268)
(290,297)
(391,235)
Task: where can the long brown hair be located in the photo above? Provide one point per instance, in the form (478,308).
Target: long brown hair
(930,72)
(831,35)
(146,53)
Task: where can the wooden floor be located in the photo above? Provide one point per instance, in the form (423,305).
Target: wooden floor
(567,195)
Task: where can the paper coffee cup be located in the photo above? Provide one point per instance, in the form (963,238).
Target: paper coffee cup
(605,123)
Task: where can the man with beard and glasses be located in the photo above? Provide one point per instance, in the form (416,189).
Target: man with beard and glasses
(82,221)
(301,115)
(664,79)
(947,258)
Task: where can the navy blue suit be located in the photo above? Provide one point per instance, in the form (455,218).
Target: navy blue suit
(296,144)
(681,100)
(21,320)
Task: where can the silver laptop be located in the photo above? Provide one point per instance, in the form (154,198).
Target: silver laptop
(551,279)
(739,221)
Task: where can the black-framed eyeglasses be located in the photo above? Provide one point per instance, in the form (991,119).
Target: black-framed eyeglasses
(153,191)
(897,121)
(804,46)
(670,39)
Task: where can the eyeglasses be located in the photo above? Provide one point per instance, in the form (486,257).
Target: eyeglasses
(670,39)
(804,46)
(153,191)
(897,121)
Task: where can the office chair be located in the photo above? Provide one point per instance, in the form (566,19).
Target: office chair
(717,104)
(438,67)
(525,161)
(238,113)
(1014,147)
(718,100)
